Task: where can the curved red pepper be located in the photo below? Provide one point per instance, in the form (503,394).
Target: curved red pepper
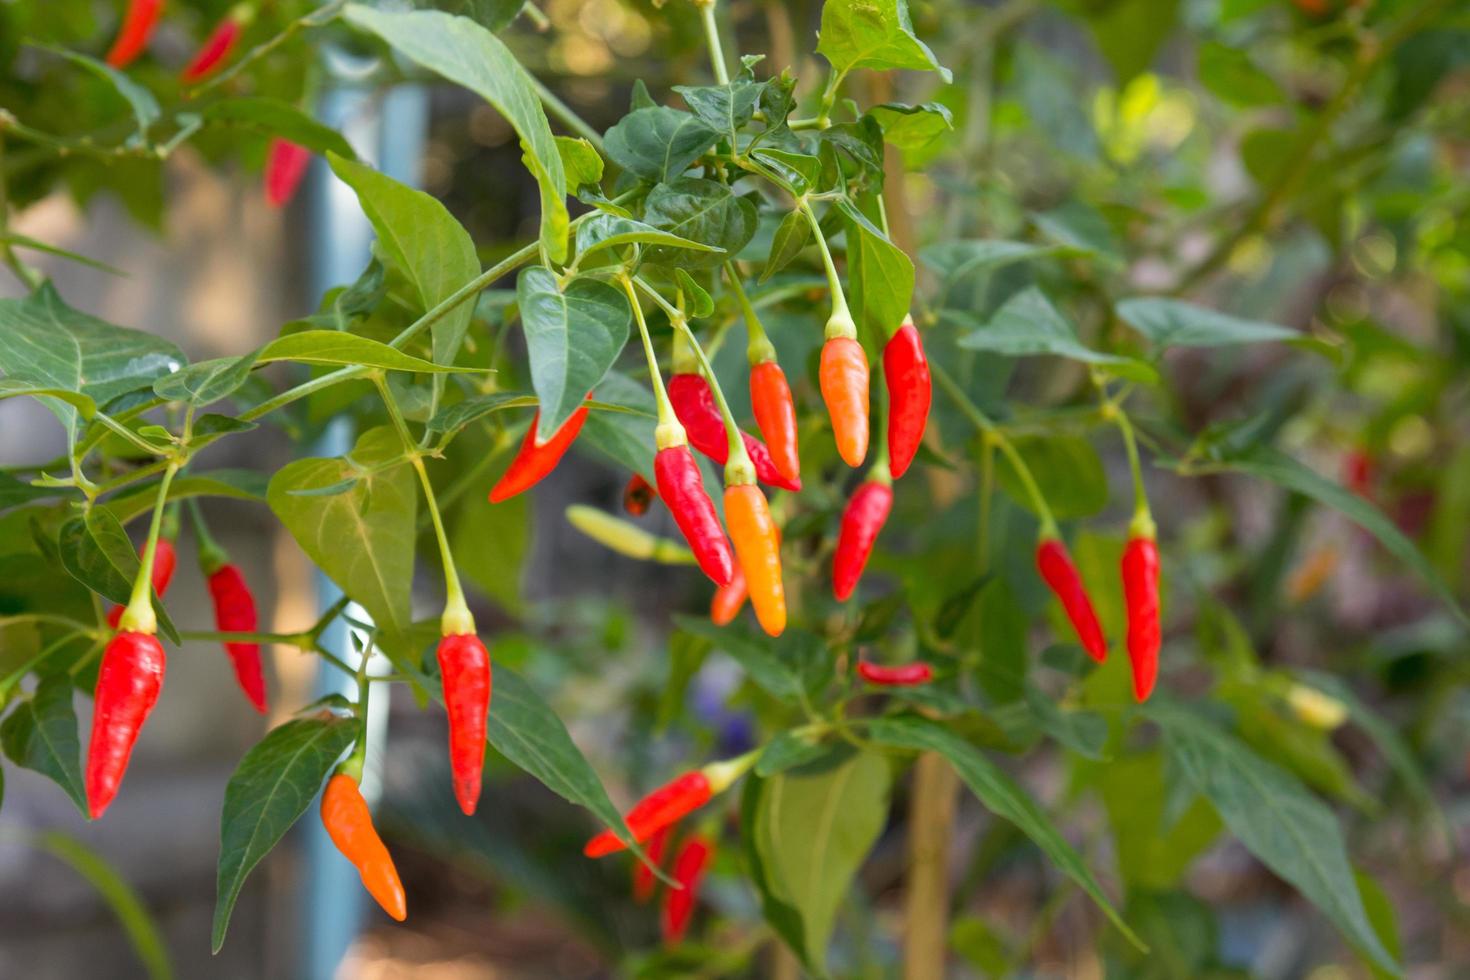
(637,495)
(863,519)
(689,867)
(903,675)
(775,416)
(694,404)
(165,559)
(729,599)
(1141,596)
(670,802)
(644,881)
(906,372)
(234,612)
(128,685)
(533,462)
(137,28)
(844,382)
(1059,572)
(284,168)
(681,486)
(464,667)
(215,49)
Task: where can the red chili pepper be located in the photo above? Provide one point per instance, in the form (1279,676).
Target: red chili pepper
(694,404)
(1358,473)
(637,495)
(659,809)
(533,462)
(906,372)
(758,547)
(215,49)
(775,416)
(644,881)
(689,867)
(681,486)
(1057,569)
(128,685)
(349,823)
(234,612)
(1141,596)
(165,558)
(464,666)
(844,382)
(903,675)
(284,169)
(137,28)
(863,519)
(729,599)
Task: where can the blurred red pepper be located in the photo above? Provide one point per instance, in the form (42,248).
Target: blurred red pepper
(644,881)
(906,372)
(137,27)
(866,513)
(1060,574)
(284,168)
(217,47)
(638,495)
(689,867)
(903,675)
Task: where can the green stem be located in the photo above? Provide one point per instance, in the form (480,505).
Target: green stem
(1142,524)
(212,556)
(139,617)
(669,432)
(829,98)
(109,423)
(712,40)
(353,764)
(840,322)
(29,277)
(758,349)
(299,640)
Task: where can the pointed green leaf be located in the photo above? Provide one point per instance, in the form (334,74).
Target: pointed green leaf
(278,118)
(791,237)
(873,34)
(207,381)
(1175,323)
(96,551)
(658,143)
(1029,324)
(41,734)
(880,278)
(613,231)
(333,347)
(144,105)
(703,211)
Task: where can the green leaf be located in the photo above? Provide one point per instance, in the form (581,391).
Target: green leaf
(625,439)
(787,751)
(658,144)
(801,170)
(524,729)
(791,237)
(270,789)
(873,34)
(917,130)
(1000,794)
(573,336)
(333,347)
(1289,830)
(461,414)
(15,388)
(206,381)
(700,303)
(41,734)
(1129,32)
(131,913)
(1271,464)
(50,345)
(724,108)
(1154,851)
(1232,76)
(14,492)
(1175,323)
(1029,324)
(144,105)
(96,551)
(1066,468)
(281,119)
(954,261)
(813,829)
(469,55)
(580,160)
(363,539)
(756,653)
(235,484)
(703,211)
(497,571)
(418,236)
(602,231)
(880,277)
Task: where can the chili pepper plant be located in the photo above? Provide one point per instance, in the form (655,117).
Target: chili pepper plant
(963,523)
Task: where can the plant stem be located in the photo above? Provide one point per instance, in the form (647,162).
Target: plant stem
(668,421)
(839,323)
(758,348)
(139,616)
(712,39)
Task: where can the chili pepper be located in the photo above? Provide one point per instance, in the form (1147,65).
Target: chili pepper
(903,675)
(128,684)
(644,881)
(234,612)
(137,28)
(1316,708)
(627,538)
(637,495)
(217,47)
(1141,596)
(844,382)
(1358,471)
(775,416)
(729,599)
(672,801)
(689,867)
(349,823)
(533,462)
(1307,578)
(165,558)
(681,486)
(863,519)
(464,666)
(906,372)
(1060,574)
(284,168)
(758,546)
(694,403)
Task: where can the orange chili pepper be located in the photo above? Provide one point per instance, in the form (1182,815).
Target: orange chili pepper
(348,821)
(757,546)
(844,381)
(729,600)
